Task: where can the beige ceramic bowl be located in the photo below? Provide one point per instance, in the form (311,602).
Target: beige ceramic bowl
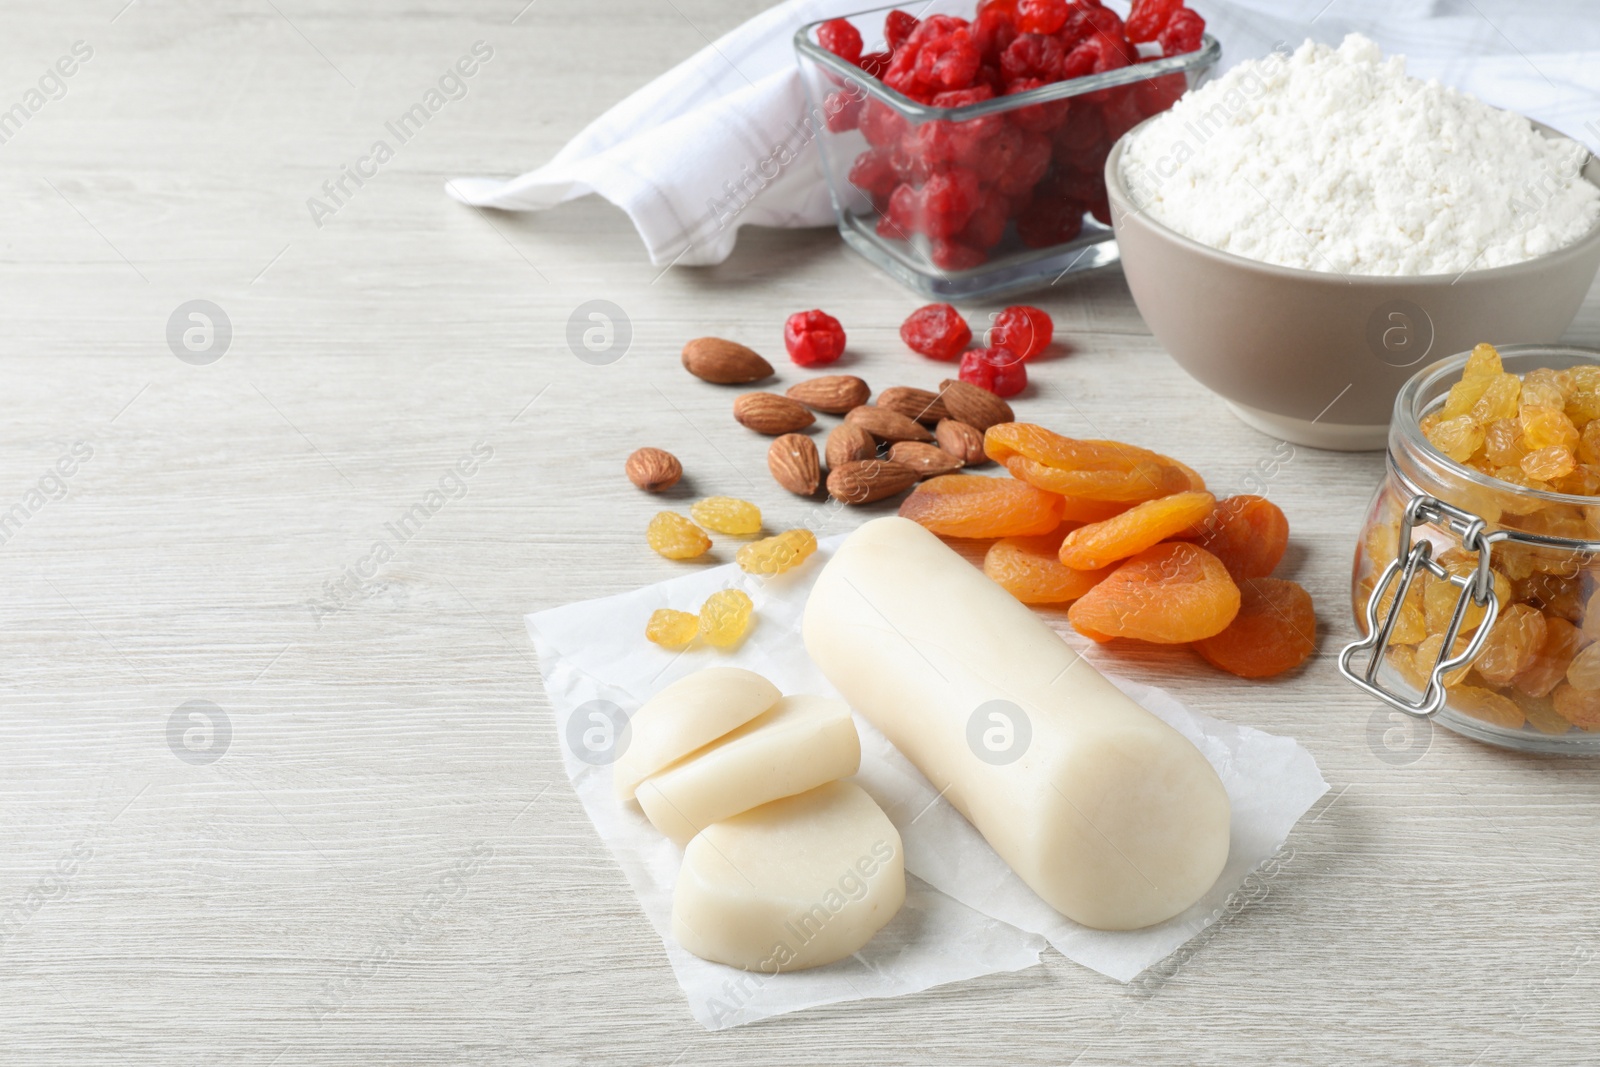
(1317,358)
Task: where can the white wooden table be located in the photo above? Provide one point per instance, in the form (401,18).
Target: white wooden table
(386,865)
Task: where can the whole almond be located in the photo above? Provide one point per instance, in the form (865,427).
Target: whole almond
(918,404)
(833,394)
(848,443)
(961,441)
(926,460)
(976,407)
(863,481)
(653,469)
(770,413)
(712,359)
(887,425)
(793,461)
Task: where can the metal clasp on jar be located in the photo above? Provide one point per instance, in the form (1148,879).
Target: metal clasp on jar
(1476,588)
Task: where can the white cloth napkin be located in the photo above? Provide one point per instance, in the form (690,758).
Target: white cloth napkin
(692,156)
(969,914)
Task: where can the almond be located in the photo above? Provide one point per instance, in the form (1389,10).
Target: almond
(926,460)
(712,359)
(653,470)
(770,413)
(833,394)
(849,442)
(918,404)
(976,407)
(866,480)
(793,461)
(961,441)
(887,425)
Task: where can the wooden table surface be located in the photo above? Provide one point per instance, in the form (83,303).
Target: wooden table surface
(386,864)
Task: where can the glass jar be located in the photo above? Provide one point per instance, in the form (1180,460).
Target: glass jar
(1496,585)
(1031,165)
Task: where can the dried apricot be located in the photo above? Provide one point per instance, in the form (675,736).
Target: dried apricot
(972,505)
(1248,533)
(774,555)
(725,617)
(1515,639)
(726,514)
(1562,640)
(1170,594)
(1093,470)
(1487,705)
(672,629)
(1275,630)
(1028,569)
(1100,544)
(676,537)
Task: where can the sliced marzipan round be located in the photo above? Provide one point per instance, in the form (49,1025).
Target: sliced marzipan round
(799,743)
(796,883)
(689,714)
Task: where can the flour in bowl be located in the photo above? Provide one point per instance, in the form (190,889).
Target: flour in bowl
(1334,159)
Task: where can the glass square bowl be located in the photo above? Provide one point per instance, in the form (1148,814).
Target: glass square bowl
(1030,167)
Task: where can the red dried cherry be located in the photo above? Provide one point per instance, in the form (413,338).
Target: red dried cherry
(875,63)
(948,62)
(1183,33)
(948,199)
(1041,16)
(882,125)
(998,370)
(841,38)
(1149,17)
(952,255)
(872,174)
(1029,164)
(897,26)
(1022,329)
(988,224)
(813,338)
(937,331)
(1037,118)
(1049,220)
(1158,94)
(1032,55)
(842,110)
(993,31)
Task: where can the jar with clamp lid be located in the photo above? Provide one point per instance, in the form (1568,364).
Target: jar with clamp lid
(1476,586)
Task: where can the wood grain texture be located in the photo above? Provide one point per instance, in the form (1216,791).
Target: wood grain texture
(294,902)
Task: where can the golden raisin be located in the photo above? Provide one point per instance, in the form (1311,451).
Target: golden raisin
(774,555)
(728,515)
(1502,442)
(1428,658)
(1543,716)
(1561,643)
(672,629)
(1547,426)
(1484,362)
(1457,437)
(676,537)
(1584,670)
(1580,707)
(1510,647)
(1548,464)
(725,618)
(1499,400)
(1487,705)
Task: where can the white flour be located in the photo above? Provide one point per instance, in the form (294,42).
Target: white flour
(1333,159)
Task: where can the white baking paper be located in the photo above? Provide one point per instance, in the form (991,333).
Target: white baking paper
(973,916)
